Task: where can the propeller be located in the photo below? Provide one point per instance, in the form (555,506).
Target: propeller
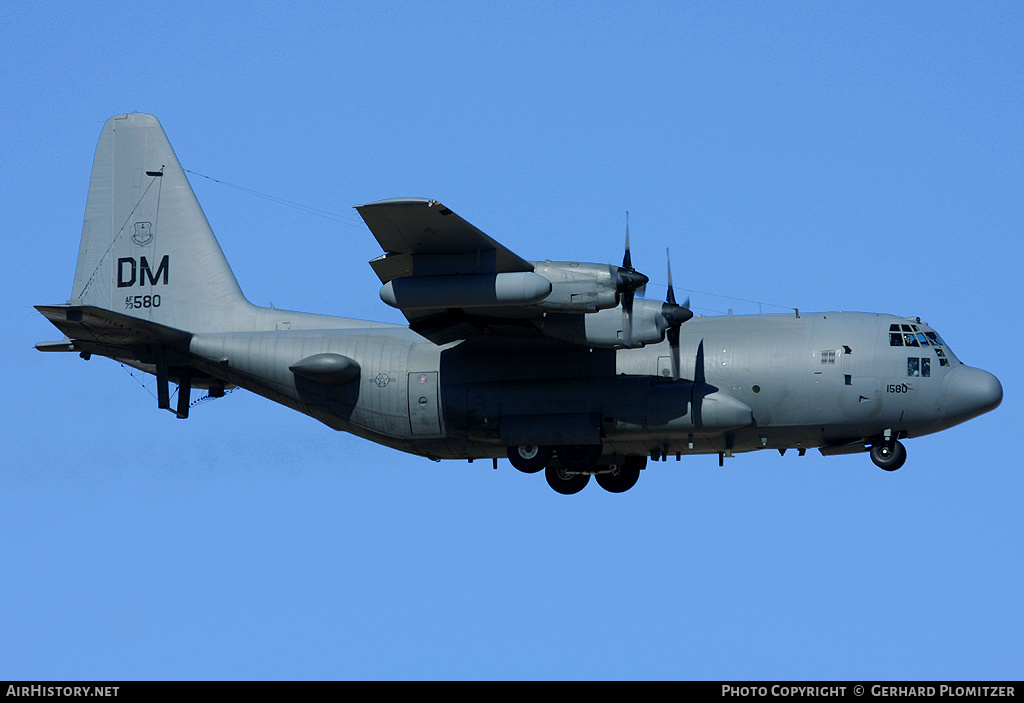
(673,316)
(627,281)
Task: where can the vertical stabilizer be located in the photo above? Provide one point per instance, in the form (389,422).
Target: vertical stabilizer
(147,250)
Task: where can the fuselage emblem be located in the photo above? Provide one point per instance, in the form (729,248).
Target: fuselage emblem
(382,379)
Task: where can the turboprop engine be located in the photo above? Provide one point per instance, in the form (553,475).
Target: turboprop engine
(614,328)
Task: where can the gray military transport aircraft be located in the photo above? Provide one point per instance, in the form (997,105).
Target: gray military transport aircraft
(559,366)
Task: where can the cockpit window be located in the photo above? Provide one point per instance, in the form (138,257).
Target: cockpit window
(918,367)
(905,335)
(901,335)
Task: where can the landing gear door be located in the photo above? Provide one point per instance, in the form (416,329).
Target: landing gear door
(424,416)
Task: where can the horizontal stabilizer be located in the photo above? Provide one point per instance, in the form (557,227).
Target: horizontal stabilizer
(88,323)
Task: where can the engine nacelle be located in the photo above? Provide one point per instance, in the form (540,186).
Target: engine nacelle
(578,287)
(606,328)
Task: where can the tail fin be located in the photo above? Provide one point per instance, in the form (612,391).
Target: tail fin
(147,250)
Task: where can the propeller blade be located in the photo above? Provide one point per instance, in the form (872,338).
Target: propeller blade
(627,260)
(627,320)
(674,316)
(673,345)
(627,279)
(671,296)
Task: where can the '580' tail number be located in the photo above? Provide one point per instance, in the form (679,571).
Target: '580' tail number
(898,388)
(134,302)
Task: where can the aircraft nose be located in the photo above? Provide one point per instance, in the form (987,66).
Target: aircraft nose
(969,392)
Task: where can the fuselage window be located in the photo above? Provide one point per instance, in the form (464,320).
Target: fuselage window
(922,339)
(926,366)
(909,339)
(895,339)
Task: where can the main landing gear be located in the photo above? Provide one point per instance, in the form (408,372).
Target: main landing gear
(621,477)
(529,459)
(889,455)
(564,481)
(568,469)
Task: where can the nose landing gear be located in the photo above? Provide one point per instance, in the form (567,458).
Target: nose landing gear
(889,456)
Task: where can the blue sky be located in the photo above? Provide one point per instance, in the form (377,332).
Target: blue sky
(826,156)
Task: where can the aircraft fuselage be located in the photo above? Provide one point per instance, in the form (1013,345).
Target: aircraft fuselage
(827,380)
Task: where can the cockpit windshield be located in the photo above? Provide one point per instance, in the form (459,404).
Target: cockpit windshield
(910,335)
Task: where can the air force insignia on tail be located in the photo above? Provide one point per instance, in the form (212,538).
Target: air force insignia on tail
(143,233)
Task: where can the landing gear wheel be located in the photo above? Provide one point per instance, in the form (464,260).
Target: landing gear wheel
(580,457)
(529,459)
(565,482)
(889,457)
(624,476)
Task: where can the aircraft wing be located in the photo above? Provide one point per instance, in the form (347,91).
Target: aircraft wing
(422,238)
